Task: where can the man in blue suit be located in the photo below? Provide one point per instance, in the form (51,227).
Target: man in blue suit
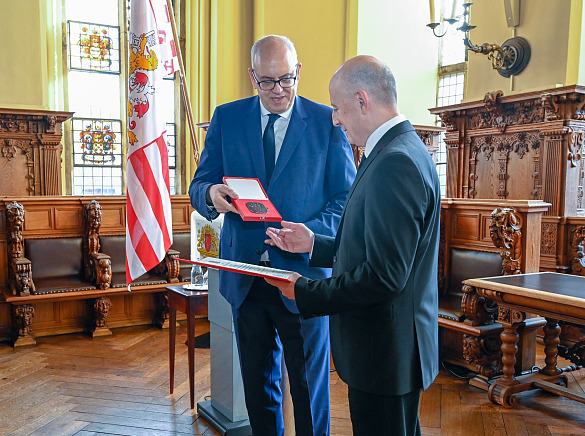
(305,165)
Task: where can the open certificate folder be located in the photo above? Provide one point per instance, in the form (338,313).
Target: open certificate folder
(252,203)
(242,268)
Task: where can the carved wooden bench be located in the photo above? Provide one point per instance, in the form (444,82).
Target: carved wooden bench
(57,268)
(482,239)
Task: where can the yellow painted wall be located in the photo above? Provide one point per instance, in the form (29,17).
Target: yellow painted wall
(545,25)
(220,34)
(317,28)
(396,33)
(23,59)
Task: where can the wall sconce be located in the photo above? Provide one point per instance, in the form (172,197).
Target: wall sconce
(509,58)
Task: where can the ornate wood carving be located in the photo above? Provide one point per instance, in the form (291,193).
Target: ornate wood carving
(170,266)
(576,255)
(522,146)
(161,318)
(575,146)
(100,309)
(23,316)
(506,234)
(484,353)
(19,268)
(97,266)
(30,151)
(477,310)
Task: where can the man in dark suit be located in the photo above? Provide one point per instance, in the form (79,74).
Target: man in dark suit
(306,166)
(383,293)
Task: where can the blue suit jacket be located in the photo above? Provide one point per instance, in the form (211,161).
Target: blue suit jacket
(310,182)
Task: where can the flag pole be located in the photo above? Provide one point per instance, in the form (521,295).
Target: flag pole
(184,89)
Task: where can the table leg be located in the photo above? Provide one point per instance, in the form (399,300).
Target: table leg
(509,347)
(552,332)
(191,351)
(172,332)
(501,392)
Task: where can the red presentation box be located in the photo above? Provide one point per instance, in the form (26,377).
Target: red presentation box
(253,203)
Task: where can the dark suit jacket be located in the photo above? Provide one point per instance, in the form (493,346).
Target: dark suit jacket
(310,182)
(384,334)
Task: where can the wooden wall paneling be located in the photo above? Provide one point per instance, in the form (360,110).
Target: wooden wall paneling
(525,146)
(30,157)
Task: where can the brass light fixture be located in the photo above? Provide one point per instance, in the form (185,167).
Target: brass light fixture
(509,58)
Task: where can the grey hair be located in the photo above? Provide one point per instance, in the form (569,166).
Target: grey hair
(283,39)
(375,78)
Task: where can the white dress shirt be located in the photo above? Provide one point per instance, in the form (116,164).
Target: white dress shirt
(377,134)
(280,126)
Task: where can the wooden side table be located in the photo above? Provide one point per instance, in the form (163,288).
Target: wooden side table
(191,303)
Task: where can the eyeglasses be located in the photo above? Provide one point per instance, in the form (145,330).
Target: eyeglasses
(268,85)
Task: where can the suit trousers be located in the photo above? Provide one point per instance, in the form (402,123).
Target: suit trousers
(384,415)
(264,329)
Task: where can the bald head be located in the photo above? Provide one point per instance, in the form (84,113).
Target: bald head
(370,74)
(271,44)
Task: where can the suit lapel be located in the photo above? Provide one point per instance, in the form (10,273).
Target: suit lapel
(294,133)
(388,137)
(254,140)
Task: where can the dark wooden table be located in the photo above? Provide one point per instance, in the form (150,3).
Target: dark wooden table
(191,303)
(552,295)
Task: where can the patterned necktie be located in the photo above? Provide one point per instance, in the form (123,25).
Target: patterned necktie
(269,146)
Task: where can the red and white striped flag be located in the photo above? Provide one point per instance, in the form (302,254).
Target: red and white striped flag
(149,229)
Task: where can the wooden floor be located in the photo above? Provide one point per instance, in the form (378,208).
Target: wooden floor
(118,385)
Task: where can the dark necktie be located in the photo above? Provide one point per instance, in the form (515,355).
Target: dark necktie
(269,146)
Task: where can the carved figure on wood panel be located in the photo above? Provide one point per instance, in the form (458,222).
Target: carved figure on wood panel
(15,222)
(506,234)
(97,266)
(576,244)
(19,268)
(484,353)
(24,315)
(104,273)
(101,308)
(93,214)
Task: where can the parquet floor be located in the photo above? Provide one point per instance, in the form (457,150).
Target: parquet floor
(118,385)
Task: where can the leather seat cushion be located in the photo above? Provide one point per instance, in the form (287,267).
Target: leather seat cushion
(53,285)
(470,264)
(450,306)
(115,247)
(55,257)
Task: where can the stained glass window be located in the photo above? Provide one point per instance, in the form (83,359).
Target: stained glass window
(97,156)
(96,93)
(93,47)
